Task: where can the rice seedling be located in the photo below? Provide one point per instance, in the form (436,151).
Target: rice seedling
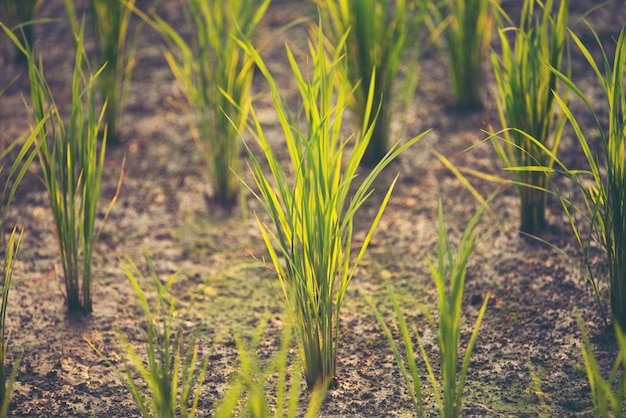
(310,203)
(20,14)
(526,102)
(467,28)
(26,152)
(247,393)
(6,382)
(115,48)
(172,376)
(603,187)
(25,155)
(381,36)
(608,395)
(72,162)
(449,276)
(215,75)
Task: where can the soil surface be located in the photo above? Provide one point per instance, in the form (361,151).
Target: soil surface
(527,360)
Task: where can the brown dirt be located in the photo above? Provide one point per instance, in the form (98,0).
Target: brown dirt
(527,359)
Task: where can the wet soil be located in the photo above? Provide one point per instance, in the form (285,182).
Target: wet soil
(527,359)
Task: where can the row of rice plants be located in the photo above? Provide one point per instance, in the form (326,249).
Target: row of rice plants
(293,239)
(381,37)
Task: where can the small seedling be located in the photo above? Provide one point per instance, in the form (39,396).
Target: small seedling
(449,277)
(248,390)
(174,378)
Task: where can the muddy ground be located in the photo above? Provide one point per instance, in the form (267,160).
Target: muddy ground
(527,359)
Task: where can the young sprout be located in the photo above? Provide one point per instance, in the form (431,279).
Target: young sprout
(449,276)
(174,377)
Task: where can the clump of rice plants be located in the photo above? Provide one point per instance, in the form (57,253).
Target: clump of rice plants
(20,14)
(115,50)
(526,103)
(603,186)
(311,205)
(72,160)
(381,35)
(215,75)
(467,29)
(247,392)
(449,277)
(173,377)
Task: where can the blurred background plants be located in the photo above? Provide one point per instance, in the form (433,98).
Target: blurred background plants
(215,75)
(382,39)
(72,162)
(449,276)
(20,14)
(526,102)
(311,204)
(115,51)
(467,27)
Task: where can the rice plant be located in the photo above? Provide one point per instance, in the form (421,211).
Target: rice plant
(116,52)
(449,277)
(526,102)
(382,34)
(215,75)
(26,152)
(20,14)
(6,382)
(603,187)
(608,394)
(172,376)
(467,29)
(247,392)
(310,203)
(72,162)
